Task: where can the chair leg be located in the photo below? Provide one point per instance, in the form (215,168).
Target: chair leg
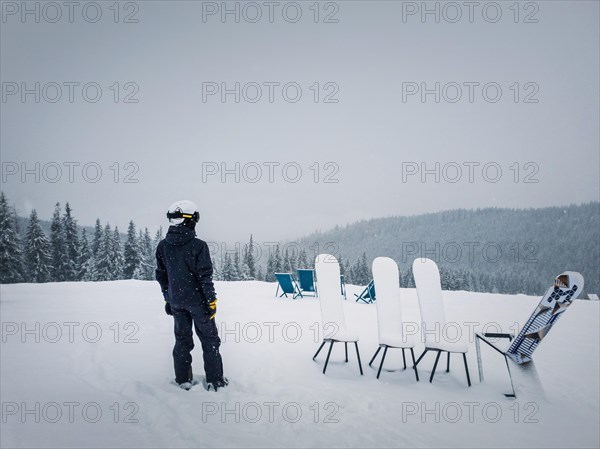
(358,357)
(467,369)
(412,353)
(319,350)
(328,354)
(382,359)
(403,358)
(375,355)
(448,364)
(478,351)
(346,350)
(421,356)
(512,385)
(437,358)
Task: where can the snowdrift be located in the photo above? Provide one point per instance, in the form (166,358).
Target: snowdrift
(89,365)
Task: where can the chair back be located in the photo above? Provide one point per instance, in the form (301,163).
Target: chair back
(431,305)
(306,279)
(371,291)
(286,282)
(386,277)
(330,298)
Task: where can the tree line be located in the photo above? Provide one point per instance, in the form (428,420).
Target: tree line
(232,267)
(69,253)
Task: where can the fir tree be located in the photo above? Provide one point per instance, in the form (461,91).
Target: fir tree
(302,261)
(357,273)
(249,263)
(259,274)
(270,274)
(286,262)
(222,266)
(97,240)
(277,262)
(116,255)
(237,270)
(347,270)
(146,266)
(157,238)
(216,270)
(293,264)
(37,251)
(228,269)
(57,243)
(103,266)
(71,245)
(11,269)
(245,270)
(85,262)
(150,252)
(365,270)
(360,273)
(132,253)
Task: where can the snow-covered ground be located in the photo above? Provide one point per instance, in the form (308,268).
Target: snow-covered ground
(89,365)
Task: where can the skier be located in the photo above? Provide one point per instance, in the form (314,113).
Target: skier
(184,271)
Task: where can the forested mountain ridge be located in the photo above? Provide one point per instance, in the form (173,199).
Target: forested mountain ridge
(515,246)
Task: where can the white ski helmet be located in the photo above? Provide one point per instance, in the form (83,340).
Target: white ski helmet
(180,210)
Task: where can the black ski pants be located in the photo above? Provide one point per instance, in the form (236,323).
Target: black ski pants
(206,330)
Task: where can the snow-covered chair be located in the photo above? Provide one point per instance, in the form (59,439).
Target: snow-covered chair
(519,355)
(433,318)
(389,312)
(332,308)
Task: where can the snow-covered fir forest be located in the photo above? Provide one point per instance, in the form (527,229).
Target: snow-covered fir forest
(69,252)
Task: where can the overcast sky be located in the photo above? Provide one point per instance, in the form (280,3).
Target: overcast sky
(377,133)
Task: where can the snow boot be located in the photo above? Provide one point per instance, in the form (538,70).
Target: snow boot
(187,384)
(221,383)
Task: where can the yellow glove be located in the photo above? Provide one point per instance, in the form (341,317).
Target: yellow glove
(213,308)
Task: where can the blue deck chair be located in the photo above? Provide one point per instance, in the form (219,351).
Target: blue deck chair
(367,295)
(307,282)
(288,285)
(343,285)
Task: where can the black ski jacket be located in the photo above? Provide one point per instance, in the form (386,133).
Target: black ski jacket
(184,268)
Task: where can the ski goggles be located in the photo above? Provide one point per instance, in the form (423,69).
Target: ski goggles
(178,214)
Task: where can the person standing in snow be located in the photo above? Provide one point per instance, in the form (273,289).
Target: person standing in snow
(184,271)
